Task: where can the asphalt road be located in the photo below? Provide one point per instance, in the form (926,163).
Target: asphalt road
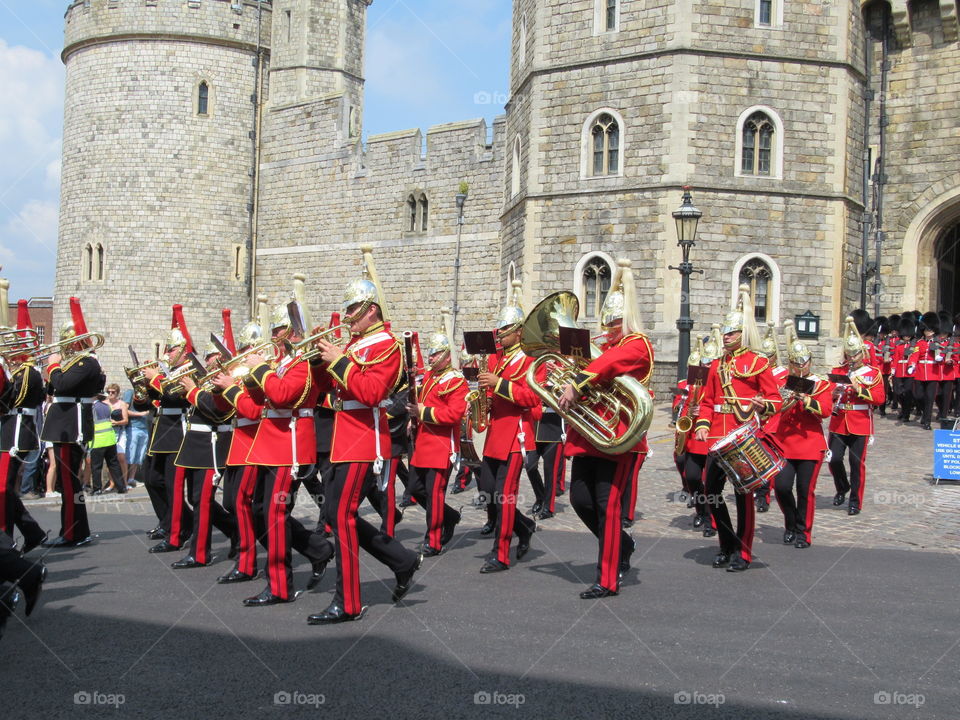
(835,631)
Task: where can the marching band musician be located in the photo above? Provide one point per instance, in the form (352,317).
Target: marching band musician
(203,455)
(926,362)
(599,482)
(21,393)
(771,350)
(68,425)
(740,386)
(799,435)
(363,375)
(851,425)
(440,407)
(284,450)
(513,408)
(164,480)
(551,434)
(240,484)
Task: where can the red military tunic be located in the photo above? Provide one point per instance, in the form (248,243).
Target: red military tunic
(799,429)
(780,375)
(443,403)
(742,374)
(513,407)
(900,361)
(853,410)
(290,395)
(248,403)
(632,355)
(694,396)
(925,361)
(363,380)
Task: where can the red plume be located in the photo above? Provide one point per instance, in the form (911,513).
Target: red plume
(76,314)
(23,316)
(228,332)
(181,324)
(334,321)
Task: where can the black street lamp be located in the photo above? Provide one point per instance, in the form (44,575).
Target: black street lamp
(461,199)
(686,216)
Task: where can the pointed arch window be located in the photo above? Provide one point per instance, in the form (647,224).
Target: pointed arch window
(515,169)
(86,267)
(411,214)
(596,277)
(100,261)
(203,98)
(424,212)
(756,274)
(758,139)
(605,134)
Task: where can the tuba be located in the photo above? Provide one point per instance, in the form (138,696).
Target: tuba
(599,416)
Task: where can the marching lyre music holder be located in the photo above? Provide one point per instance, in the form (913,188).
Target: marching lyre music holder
(801,385)
(480,342)
(575,342)
(697,374)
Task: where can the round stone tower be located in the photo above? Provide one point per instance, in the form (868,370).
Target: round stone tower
(159,147)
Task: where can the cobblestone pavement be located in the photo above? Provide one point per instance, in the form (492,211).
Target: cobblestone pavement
(902,509)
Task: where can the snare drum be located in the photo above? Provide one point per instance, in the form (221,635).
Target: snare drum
(748,462)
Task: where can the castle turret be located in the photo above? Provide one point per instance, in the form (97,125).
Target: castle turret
(158,154)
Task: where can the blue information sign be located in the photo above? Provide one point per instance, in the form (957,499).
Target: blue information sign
(946,454)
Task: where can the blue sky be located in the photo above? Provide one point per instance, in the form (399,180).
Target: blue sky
(428,62)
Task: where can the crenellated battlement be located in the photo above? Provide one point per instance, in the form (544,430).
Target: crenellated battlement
(232,23)
(463,143)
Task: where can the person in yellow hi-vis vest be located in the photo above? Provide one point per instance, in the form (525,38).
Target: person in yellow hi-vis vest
(104,448)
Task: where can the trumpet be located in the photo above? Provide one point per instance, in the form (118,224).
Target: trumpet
(64,347)
(171,383)
(599,416)
(306,345)
(235,368)
(18,342)
(136,374)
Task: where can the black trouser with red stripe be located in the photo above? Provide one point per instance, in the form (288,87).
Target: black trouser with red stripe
(858,465)
(554,464)
(155,480)
(740,541)
(428,486)
(798,510)
(73,511)
(385,501)
(239,486)
(692,472)
(207,513)
(347,487)
(281,532)
(531,463)
(629,509)
(509,519)
(179,520)
(598,488)
(12,512)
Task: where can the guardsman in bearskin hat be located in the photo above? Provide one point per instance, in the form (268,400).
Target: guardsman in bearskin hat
(902,374)
(740,386)
(21,394)
(600,482)
(949,366)
(851,425)
(510,436)
(75,379)
(441,405)
(362,374)
(164,480)
(926,363)
(799,436)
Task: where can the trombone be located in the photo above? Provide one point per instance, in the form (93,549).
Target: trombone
(63,347)
(18,342)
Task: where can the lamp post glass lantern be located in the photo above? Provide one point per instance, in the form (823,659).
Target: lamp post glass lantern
(687,217)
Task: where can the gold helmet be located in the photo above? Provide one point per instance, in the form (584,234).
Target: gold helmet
(250,335)
(712,346)
(696,355)
(741,319)
(364,291)
(621,301)
(279,318)
(797,352)
(769,345)
(853,347)
(512,315)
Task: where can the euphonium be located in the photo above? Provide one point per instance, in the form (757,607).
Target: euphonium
(599,415)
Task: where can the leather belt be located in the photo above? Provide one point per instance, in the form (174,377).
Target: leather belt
(170,411)
(851,406)
(73,400)
(245,422)
(286,413)
(196,427)
(357,405)
(22,411)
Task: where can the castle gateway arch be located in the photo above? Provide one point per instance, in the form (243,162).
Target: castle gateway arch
(931,253)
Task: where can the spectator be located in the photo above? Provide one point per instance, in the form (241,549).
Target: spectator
(138,435)
(120,422)
(104,448)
